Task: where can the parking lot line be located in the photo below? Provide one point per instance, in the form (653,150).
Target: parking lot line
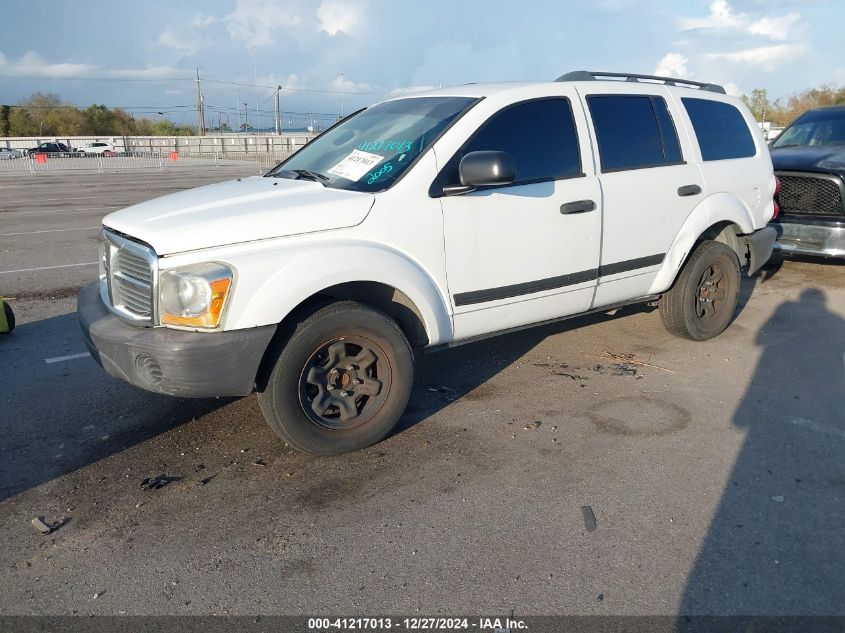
(29,270)
(82,228)
(60,359)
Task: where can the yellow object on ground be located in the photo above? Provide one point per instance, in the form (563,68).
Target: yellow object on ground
(7,317)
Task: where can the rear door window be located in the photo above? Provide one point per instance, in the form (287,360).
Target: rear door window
(634,132)
(720,129)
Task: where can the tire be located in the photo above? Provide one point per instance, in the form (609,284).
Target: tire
(10,316)
(702,302)
(326,395)
(108,154)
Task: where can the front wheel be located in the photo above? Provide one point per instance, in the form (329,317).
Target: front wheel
(702,302)
(341,382)
(108,154)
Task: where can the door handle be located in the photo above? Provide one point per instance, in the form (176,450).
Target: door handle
(580,206)
(689,190)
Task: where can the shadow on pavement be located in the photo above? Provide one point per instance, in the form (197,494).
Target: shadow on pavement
(59,417)
(776,545)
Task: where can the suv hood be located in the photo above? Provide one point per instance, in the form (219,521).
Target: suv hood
(243,210)
(823,158)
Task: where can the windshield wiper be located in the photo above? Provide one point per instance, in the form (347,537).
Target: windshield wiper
(312,175)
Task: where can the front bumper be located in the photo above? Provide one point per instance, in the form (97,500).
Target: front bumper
(811,236)
(172,362)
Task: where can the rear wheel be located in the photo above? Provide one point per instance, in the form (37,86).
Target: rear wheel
(702,302)
(108,154)
(341,382)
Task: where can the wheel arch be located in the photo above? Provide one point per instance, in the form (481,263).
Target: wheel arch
(721,217)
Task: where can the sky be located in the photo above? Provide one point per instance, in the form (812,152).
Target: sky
(144,55)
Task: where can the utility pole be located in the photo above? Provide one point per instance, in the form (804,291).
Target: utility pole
(340,74)
(200,106)
(278,112)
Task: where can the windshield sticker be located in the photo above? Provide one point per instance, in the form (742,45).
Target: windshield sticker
(386,146)
(354,166)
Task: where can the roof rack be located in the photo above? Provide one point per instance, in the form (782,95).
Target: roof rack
(588,75)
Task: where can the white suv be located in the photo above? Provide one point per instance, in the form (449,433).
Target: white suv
(427,221)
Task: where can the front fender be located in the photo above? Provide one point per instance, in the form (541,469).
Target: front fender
(719,207)
(269,288)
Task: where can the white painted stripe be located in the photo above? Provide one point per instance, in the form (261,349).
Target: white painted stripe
(81,228)
(29,270)
(819,428)
(3,214)
(61,359)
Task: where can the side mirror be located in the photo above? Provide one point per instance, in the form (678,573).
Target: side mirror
(483,169)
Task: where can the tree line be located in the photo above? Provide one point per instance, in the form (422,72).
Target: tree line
(47,115)
(783,112)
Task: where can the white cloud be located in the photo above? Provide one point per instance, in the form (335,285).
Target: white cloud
(336,16)
(732,89)
(409,90)
(775,28)
(255,21)
(673,65)
(31,64)
(766,58)
(723,17)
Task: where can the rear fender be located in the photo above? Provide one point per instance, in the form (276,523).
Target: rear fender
(715,209)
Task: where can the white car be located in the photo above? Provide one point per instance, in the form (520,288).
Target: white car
(97,148)
(8,153)
(428,221)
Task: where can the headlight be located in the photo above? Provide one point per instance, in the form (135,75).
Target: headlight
(194,296)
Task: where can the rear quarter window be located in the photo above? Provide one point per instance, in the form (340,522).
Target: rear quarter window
(720,128)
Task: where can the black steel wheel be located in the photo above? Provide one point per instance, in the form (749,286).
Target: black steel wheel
(340,381)
(702,302)
(345,382)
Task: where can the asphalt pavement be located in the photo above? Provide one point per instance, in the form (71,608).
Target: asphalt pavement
(714,470)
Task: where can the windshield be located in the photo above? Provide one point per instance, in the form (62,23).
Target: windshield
(819,127)
(370,150)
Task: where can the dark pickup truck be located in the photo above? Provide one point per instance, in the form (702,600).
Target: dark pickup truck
(809,161)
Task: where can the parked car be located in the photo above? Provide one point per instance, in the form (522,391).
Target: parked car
(425,222)
(51,148)
(97,148)
(8,153)
(809,160)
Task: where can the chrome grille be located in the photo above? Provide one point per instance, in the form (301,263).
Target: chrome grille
(810,194)
(129,271)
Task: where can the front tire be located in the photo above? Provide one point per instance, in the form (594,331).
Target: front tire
(341,382)
(702,302)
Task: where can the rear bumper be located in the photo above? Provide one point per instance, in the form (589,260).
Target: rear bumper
(172,362)
(811,236)
(760,246)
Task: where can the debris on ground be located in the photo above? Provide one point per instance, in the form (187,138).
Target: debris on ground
(600,597)
(533,426)
(629,359)
(589,518)
(205,480)
(44,527)
(778,498)
(448,393)
(155,483)
(99,593)
(259,462)
(623,370)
